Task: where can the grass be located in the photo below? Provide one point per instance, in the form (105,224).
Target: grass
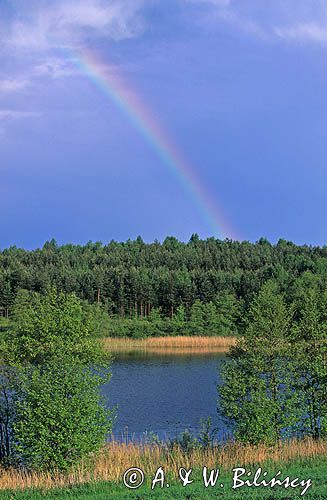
(313,469)
(169,345)
(115,458)
(309,469)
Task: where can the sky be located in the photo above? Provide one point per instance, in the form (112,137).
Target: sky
(121,118)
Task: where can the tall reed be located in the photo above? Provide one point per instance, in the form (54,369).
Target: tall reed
(221,344)
(115,458)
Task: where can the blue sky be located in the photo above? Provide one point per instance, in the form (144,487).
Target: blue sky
(240,85)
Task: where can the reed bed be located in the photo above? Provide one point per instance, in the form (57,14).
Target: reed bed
(220,344)
(169,351)
(115,458)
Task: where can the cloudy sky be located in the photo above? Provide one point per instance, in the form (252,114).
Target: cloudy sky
(238,86)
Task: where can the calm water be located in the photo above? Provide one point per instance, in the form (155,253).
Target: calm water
(163,394)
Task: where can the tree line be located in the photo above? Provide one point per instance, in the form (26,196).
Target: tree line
(199,286)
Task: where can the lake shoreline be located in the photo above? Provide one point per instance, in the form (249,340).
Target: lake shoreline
(110,463)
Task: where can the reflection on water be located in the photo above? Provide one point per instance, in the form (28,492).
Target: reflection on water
(167,351)
(163,393)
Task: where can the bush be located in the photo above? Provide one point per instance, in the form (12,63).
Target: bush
(60,416)
(51,412)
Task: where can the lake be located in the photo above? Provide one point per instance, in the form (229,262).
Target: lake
(165,394)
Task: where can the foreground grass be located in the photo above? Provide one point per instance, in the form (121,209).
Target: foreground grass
(314,469)
(114,459)
(164,345)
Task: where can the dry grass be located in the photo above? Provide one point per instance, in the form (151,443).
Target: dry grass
(115,458)
(186,344)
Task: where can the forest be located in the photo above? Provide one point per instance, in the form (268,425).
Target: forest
(201,287)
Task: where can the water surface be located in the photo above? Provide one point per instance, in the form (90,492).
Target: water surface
(165,394)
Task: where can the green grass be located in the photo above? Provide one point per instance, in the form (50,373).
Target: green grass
(315,469)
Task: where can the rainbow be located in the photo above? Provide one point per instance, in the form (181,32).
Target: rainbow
(113,87)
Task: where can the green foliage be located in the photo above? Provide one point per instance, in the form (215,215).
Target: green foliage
(269,319)
(207,433)
(60,417)
(198,319)
(186,441)
(310,334)
(178,322)
(274,383)
(8,384)
(251,395)
(98,319)
(51,414)
(43,326)
(214,318)
(130,279)
(229,311)
(253,400)
(4,323)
